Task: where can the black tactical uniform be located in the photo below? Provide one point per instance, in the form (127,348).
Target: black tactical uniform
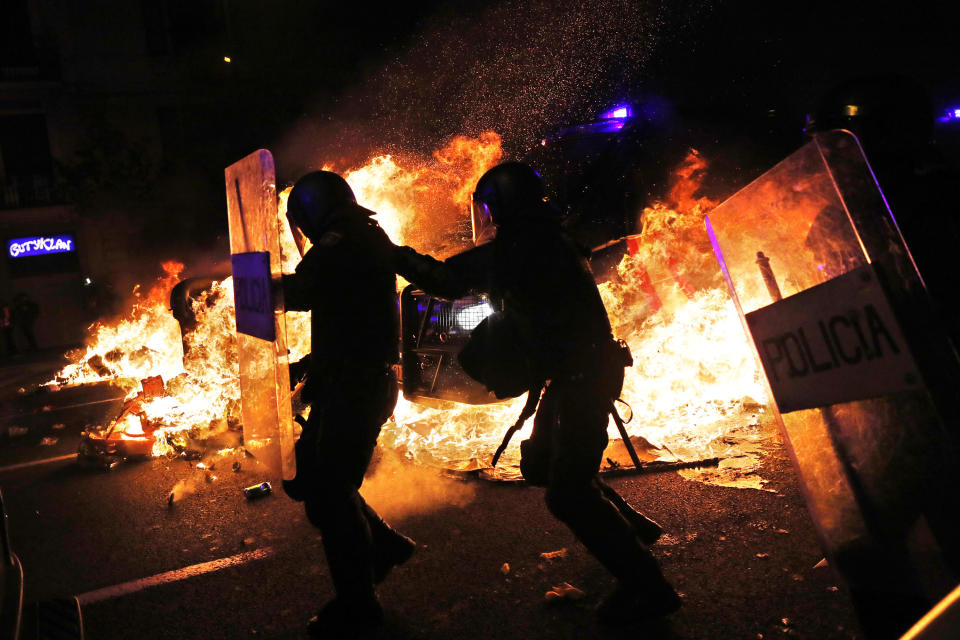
(347,281)
(542,281)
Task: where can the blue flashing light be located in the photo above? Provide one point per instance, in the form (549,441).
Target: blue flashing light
(951,115)
(40,245)
(609,127)
(618,113)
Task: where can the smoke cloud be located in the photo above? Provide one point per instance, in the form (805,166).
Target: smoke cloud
(397,489)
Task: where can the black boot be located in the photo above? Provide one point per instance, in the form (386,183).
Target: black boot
(389,552)
(647,530)
(638,601)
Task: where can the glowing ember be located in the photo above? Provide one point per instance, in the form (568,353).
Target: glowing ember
(694,390)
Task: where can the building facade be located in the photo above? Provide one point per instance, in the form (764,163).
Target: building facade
(93,101)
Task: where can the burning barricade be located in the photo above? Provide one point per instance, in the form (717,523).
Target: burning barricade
(130,435)
(814,231)
(695,391)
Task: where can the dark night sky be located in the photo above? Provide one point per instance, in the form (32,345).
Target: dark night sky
(412,78)
(320,82)
(786,50)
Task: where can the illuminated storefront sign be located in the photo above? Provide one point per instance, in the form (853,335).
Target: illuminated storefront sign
(40,245)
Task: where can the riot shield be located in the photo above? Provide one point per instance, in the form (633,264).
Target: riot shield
(860,370)
(261,330)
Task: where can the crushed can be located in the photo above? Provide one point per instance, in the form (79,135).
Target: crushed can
(258,490)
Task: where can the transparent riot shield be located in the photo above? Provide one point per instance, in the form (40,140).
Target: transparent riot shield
(261,329)
(864,377)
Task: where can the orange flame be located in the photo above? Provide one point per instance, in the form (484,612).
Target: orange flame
(423,202)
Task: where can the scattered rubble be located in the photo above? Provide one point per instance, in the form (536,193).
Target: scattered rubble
(564,591)
(121,440)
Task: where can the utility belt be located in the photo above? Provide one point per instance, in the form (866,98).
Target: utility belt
(600,364)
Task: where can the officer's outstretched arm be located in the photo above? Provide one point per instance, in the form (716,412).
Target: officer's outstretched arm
(428,273)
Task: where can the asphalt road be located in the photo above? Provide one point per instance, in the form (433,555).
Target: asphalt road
(216,565)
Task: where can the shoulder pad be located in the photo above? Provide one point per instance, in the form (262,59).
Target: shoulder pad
(329,239)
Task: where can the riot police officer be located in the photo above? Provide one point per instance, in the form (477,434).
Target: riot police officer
(346,279)
(554,330)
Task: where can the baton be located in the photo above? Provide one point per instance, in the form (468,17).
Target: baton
(626,438)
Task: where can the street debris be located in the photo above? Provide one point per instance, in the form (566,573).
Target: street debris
(131,434)
(505,568)
(49,441)
(823,563)
(59,426)
(258,490)
(563,591)
(551,555)
(15,432)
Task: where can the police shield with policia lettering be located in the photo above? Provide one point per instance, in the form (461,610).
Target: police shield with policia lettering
(552,333)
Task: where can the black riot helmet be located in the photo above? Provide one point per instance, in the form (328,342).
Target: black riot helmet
(506,191)
(314,201)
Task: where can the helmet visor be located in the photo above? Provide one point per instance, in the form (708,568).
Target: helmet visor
(482,222)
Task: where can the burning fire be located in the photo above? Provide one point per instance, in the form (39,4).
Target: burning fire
(694,391)
(424,203)
(136,347)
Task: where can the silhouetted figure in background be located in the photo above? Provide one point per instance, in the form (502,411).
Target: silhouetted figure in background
(347,280)
(25,314)
(553,328)
(6,320)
